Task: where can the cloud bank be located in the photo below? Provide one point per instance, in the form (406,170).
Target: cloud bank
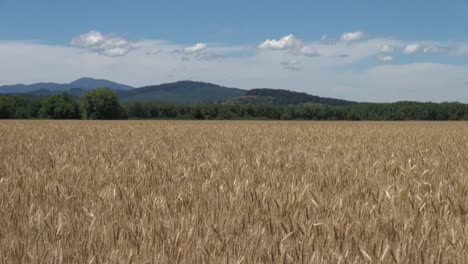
(353,65)
(106,45)
(196,48)
(289,42)
(352,36)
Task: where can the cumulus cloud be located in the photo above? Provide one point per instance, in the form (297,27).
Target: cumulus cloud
(387,48)
(289,42)
(434,48)
(335,71)
(195,49)
(107,45)
(426,48)
(352,36)
(291,45)
(329,53)
(384,58)
(201,52)
(412,48)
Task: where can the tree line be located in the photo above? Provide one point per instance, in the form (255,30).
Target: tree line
(103,103)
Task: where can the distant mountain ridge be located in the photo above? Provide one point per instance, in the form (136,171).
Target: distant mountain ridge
(181,92)
(90,83)
(286,97)
(52,88)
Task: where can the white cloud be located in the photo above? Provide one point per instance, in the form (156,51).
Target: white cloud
(352,36)
(412,48)
(106,45)
(387,48)
(289,42)
(200,52)
(343,53)
(337,72)
(309,51)
(329,49)
(426,48)
(291,45)
(195,49)
(434,48)
(384,58)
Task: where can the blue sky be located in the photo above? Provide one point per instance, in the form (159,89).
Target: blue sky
(236,22)
(361,49)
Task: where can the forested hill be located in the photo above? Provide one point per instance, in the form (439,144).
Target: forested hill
(77,87)
(286,97)
(182,92)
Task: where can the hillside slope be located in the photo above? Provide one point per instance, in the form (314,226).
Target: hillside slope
(286,97)
(90,83)
(53,88)
(183,92)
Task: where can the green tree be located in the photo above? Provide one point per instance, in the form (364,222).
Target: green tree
(61,106)
(35,106)
(7,107)
(195,113)
(136,110)
(101,103)
(209,111)
(225,113)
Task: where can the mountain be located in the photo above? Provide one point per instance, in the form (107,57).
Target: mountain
(89,83)
(22,88)
(285,97)
(53,88)
(183,92)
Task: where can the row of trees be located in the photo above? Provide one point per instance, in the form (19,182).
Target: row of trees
(390,111)
(103,104)
(100,103)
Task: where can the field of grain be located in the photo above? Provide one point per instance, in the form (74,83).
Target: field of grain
(233,192)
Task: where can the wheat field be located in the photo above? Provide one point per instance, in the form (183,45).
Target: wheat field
(233,192)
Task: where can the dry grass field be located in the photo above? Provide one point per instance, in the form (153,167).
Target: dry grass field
(233,192)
